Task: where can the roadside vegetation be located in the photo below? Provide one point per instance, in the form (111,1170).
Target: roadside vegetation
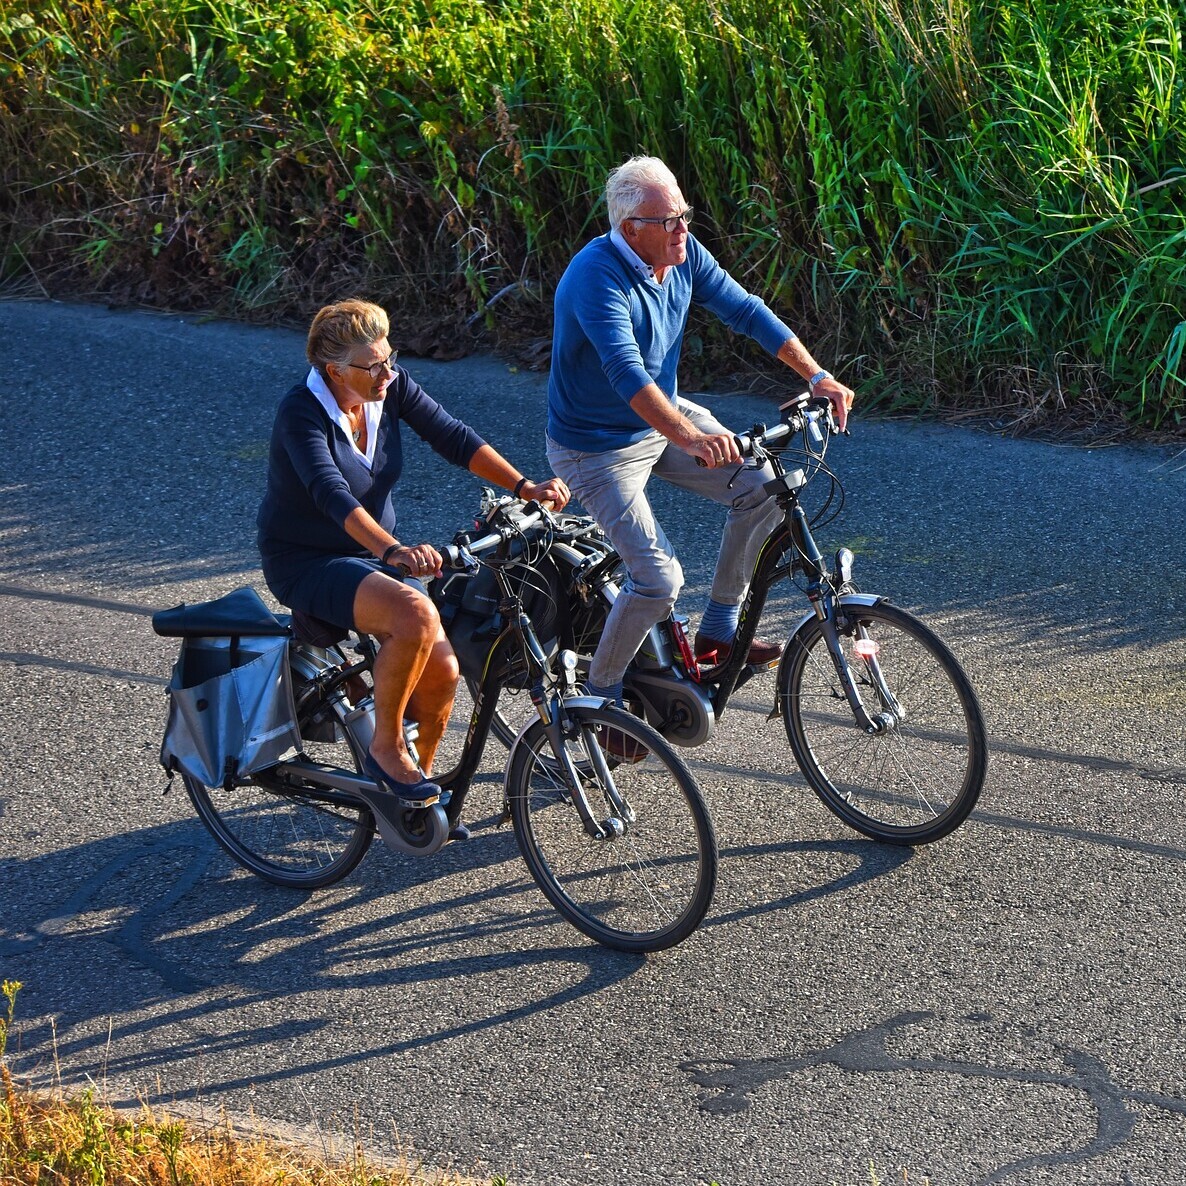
(971,205)
(61,1138)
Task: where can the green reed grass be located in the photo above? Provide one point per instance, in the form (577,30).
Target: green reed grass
(968,205)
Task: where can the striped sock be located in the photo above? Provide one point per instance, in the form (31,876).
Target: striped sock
(719,621)
(613,692)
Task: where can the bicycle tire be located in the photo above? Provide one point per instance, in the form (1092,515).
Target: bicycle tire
(916,782)
(293,839)
(644,890)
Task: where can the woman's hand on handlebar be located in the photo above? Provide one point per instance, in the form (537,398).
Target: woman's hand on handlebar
(841,397)
(420,560)
(552,491)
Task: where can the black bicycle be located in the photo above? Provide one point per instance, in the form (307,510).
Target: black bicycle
(880,716)
(607,817)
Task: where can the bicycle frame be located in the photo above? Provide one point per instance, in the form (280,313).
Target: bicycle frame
(518,639)
(789,545)
(515,653)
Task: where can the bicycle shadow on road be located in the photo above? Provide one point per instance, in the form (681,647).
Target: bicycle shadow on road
(870,861)
(164,934)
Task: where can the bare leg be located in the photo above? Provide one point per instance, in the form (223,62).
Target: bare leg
(431,702)
(414,666)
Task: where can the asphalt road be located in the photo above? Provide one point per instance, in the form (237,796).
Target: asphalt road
(1004,1006)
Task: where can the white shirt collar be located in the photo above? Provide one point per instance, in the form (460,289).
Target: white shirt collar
(372,410)
(632,258)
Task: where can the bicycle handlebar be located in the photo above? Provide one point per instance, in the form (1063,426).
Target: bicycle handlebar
(802,413)
(463,557)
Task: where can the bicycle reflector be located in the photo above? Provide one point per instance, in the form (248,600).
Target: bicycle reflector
(867,648)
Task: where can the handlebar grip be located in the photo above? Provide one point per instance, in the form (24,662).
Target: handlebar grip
(455,559)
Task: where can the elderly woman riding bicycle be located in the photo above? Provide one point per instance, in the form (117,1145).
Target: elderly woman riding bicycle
(327,525)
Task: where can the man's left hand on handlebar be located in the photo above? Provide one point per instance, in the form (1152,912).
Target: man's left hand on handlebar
(840,396)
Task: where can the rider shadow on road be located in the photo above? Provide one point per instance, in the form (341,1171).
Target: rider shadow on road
(176,938)
(199,959)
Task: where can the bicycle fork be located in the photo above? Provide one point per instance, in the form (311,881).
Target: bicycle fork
(561,727)
(829,607)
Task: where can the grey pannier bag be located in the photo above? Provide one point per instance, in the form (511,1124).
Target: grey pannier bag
(231,709)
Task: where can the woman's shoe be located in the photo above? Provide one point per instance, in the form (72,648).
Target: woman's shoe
(459,831)
(416,794)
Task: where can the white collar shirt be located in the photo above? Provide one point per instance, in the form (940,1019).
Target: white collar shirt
(632,258)
(372,410)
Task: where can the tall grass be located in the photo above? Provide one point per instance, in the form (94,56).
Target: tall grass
(964,203)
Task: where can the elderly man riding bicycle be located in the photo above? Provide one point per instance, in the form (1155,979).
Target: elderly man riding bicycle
(614,415)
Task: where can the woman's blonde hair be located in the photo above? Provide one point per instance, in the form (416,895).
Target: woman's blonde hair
(339,329)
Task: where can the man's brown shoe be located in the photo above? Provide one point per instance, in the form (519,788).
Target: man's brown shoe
(621,745)
(711,652)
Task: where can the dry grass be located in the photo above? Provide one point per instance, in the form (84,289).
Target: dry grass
(64,1139)
(61,1139)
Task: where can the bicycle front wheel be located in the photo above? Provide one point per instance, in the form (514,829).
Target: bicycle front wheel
(915,782)
(648,884)
(302,837)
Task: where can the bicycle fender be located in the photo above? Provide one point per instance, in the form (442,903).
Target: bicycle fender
(569,702)
(845,599)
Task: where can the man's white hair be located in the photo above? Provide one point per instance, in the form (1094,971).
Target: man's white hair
(629,185)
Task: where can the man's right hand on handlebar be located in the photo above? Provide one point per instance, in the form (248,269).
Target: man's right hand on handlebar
(713,449)
(840,396)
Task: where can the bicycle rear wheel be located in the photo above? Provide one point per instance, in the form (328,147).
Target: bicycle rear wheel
(299,836)
(919,780)
(643,889)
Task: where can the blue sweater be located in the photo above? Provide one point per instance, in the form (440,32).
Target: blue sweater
(615,331)
(315,478)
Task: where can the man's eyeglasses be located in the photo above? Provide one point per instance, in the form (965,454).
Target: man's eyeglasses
(669,224)
(376,369)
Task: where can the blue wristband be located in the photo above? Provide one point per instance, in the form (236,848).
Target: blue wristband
(818,377)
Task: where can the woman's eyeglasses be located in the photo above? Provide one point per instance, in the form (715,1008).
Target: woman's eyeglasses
(376,369)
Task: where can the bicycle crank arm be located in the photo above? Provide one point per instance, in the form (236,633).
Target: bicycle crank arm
(417,832)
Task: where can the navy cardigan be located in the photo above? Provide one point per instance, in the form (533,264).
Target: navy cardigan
(315,478)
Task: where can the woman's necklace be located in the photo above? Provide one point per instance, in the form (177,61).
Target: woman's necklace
(356,433)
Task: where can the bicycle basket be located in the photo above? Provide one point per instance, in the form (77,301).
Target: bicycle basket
(231,709)
(468,605)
